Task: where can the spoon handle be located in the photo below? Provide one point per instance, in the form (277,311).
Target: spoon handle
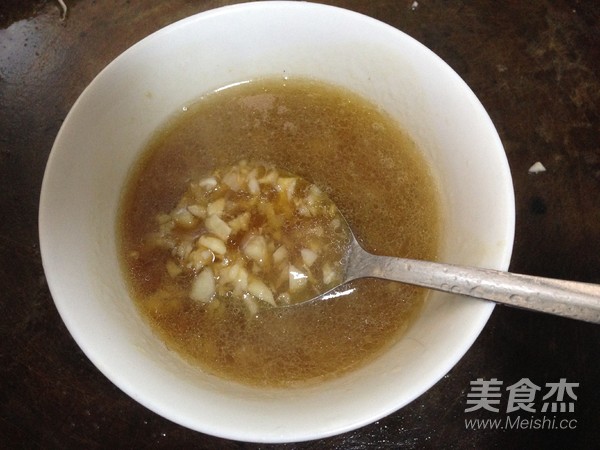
(563,298)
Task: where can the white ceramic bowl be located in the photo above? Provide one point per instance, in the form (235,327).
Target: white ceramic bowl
(115,116)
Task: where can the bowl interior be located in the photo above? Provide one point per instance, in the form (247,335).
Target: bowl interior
(115,116)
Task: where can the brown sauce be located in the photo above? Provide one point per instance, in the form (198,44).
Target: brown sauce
(352,151)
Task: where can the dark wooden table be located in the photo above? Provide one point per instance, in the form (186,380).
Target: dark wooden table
(535,66)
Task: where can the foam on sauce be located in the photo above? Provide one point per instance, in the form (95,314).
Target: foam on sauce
(353,152)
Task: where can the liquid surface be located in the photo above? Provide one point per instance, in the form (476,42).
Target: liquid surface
(349,149)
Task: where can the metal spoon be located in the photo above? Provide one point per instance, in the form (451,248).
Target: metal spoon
(572,299)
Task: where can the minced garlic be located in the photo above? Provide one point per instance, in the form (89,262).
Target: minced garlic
(255,234)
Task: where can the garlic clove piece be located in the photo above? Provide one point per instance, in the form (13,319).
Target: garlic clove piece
(261,291)
(203,286)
